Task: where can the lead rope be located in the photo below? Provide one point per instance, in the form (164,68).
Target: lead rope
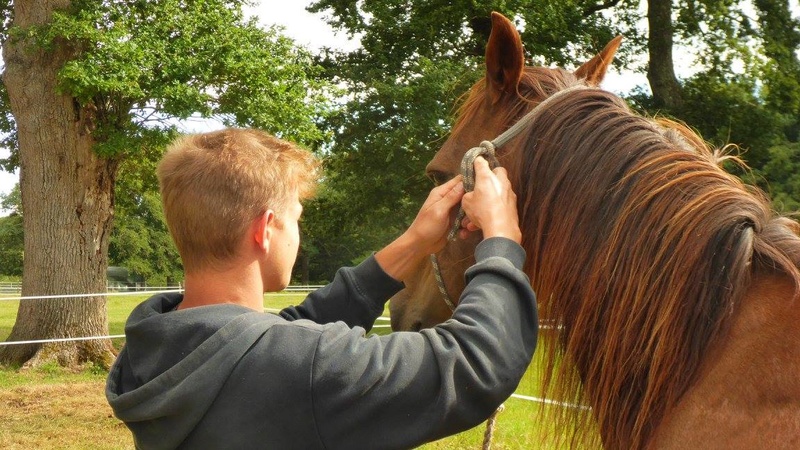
(437,272)
(487,150)
(490,424)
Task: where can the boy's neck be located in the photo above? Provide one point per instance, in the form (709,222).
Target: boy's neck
(239,286)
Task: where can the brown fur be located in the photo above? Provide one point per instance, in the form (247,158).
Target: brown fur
(650,258)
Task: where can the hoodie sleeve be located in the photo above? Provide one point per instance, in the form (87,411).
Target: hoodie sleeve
(356,296)
(407,388)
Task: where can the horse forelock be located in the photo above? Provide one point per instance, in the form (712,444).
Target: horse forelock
(641,247)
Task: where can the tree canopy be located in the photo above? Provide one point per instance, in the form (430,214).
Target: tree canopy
(417,58)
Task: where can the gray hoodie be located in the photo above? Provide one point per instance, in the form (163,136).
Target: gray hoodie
(225,377)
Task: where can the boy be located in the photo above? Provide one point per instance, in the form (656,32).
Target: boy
(208,369)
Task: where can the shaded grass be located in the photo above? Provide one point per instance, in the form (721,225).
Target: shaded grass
(53,408)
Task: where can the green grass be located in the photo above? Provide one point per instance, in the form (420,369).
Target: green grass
(519,426)
(8,313)
(48,374)
(120,307)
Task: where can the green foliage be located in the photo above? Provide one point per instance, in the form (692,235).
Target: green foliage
(142,244)
(11,245)
(12,201)
(138,67)
(730,111)
(140,240)
(397,31)
(336,233)
(8,132)
(142,64)
(758,106)
(11,235)
(781,67)
(781,176)
(724,27)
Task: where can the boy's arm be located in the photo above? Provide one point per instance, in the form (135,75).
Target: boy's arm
(357,295)
(407,388)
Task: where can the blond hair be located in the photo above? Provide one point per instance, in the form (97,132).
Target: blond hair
(213,185)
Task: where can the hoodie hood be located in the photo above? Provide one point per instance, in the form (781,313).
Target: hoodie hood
(160,384)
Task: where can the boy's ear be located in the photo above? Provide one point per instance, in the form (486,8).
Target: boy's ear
(263,225)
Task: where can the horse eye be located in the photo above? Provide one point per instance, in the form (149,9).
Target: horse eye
(439,177)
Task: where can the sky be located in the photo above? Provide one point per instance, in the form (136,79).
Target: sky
(311,31)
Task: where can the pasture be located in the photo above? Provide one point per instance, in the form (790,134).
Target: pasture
(51,408)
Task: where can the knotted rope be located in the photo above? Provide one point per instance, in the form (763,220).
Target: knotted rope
(485,149)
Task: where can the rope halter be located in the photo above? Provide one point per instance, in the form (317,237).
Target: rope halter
(487,149)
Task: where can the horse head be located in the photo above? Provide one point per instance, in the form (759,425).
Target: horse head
(507,92)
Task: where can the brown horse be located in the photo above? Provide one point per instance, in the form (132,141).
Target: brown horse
(672,286)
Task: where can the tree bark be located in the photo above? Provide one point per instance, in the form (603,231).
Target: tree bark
(67,196)
(667,92)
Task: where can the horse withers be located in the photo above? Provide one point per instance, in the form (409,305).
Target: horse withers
(672,285)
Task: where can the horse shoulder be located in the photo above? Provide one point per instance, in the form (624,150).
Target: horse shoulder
(747,394)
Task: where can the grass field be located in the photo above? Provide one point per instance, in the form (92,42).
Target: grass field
(51,408)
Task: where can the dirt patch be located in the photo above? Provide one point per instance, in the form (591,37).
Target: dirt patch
(60,416)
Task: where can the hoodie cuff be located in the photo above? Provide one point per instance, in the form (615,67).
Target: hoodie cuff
(503,247)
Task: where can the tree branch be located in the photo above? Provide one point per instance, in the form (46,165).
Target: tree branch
(590,10)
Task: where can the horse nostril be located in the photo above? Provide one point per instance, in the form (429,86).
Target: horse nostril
(417,326)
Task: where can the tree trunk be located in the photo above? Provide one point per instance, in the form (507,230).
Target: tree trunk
(667,92)
(67,196)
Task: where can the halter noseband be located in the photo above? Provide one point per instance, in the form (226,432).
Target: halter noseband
(487,149)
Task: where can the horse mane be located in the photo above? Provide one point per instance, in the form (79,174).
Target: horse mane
(640,248)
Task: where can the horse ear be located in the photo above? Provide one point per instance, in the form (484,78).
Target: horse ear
(504,57)
(595,69)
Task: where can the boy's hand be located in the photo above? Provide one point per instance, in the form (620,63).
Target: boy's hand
(426,235)
(430,227)
(492,206)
